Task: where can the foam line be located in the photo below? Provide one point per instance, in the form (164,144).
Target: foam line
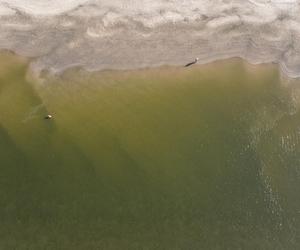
(118,34)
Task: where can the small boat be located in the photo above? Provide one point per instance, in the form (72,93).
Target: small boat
(193,62)
(48,117)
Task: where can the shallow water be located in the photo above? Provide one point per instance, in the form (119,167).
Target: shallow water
(172,158)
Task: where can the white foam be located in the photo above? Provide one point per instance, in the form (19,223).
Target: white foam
(6,11)
(42,7)
(135,33)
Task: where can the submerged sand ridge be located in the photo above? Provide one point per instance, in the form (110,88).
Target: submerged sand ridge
(100,34)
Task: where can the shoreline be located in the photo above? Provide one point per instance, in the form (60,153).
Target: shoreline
(100,34)
(48,72)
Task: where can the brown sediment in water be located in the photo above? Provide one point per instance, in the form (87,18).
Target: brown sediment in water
(160,158)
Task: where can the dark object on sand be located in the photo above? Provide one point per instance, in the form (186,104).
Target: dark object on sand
(191,63)
(48,117)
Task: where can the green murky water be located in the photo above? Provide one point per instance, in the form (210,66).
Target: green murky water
(171,158)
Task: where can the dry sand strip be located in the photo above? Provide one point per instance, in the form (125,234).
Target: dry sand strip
(102,34)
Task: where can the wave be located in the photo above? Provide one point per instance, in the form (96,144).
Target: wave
(102,34)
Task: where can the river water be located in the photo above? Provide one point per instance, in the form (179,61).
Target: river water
(205,157)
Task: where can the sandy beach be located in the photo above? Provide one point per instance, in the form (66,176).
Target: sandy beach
(100,34)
